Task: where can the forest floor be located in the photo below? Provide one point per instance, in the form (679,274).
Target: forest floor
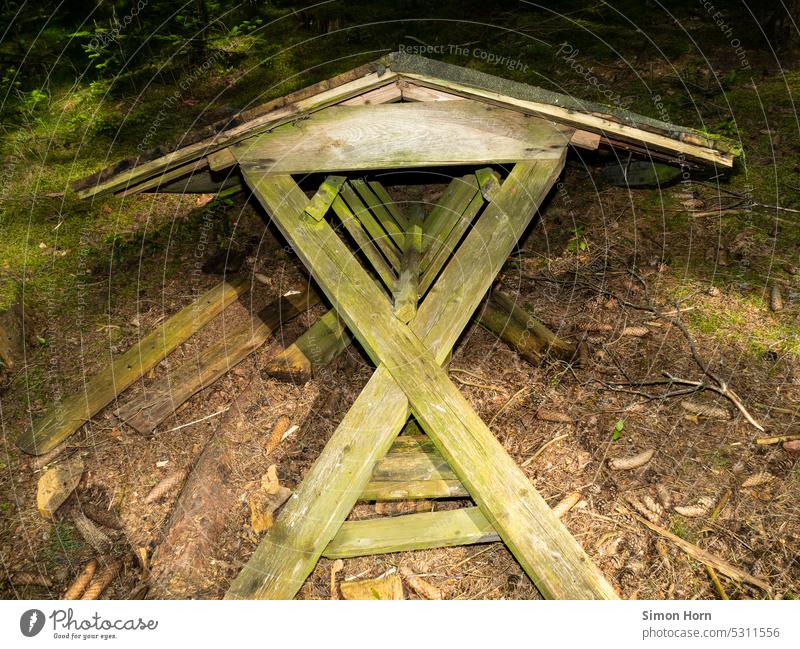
(96,276)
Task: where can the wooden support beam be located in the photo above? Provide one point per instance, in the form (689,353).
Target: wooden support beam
(406,290)
(321,201)
(411,532)
(65,417)
(547,552)
(148,409)
(311,352)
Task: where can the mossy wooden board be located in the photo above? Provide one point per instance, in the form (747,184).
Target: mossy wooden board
(394,136)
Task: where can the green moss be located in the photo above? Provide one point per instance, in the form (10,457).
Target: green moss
(63,544)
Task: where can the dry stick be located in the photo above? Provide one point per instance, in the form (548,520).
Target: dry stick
(721,386)
(717,583)
(543,447)
(777,439)
(701,555)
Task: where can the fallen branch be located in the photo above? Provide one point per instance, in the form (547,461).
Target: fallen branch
(701,555)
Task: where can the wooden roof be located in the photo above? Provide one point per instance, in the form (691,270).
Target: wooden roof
(204,160)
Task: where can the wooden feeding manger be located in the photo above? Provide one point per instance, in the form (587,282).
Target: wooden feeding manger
(403,284)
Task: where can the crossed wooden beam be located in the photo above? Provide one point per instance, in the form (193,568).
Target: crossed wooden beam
(409,346)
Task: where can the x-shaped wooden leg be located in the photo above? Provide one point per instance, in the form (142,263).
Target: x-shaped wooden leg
(408,359)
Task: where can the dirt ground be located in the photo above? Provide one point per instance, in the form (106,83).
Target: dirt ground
(584,269)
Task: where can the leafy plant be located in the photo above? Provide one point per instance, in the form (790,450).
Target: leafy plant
(618,428)
(578,242)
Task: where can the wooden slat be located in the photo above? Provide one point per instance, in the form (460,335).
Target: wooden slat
(367,244)
(388,247)
(384,95)
(412,532)
(545,549)
(379,210)
(388,201)
(446,213)
(584,121)
(433,263)
(416,134)
(65,417)
(387,490)
(148,409)
(411,466)
(413,92)
(406,290)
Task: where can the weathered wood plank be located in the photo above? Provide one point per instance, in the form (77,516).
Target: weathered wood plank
(441,252)
(380,211)
(385,490)
(311,352)
(415,134)
(489,182)
(65,417)
(547,552)
(366,244)
(320,203)
(413,92)
(406,290)
(148,409)
(423,531)
(383,95)
(585,121)
(411,532)
(411,466)
(388,201)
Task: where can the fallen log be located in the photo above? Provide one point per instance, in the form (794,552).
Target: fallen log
(147,410)
(182,565)
(65,417)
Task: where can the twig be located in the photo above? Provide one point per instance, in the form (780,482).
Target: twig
(482,386)
(542,448)
(506,404)
(723,390)
(777,439)
(197,421)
